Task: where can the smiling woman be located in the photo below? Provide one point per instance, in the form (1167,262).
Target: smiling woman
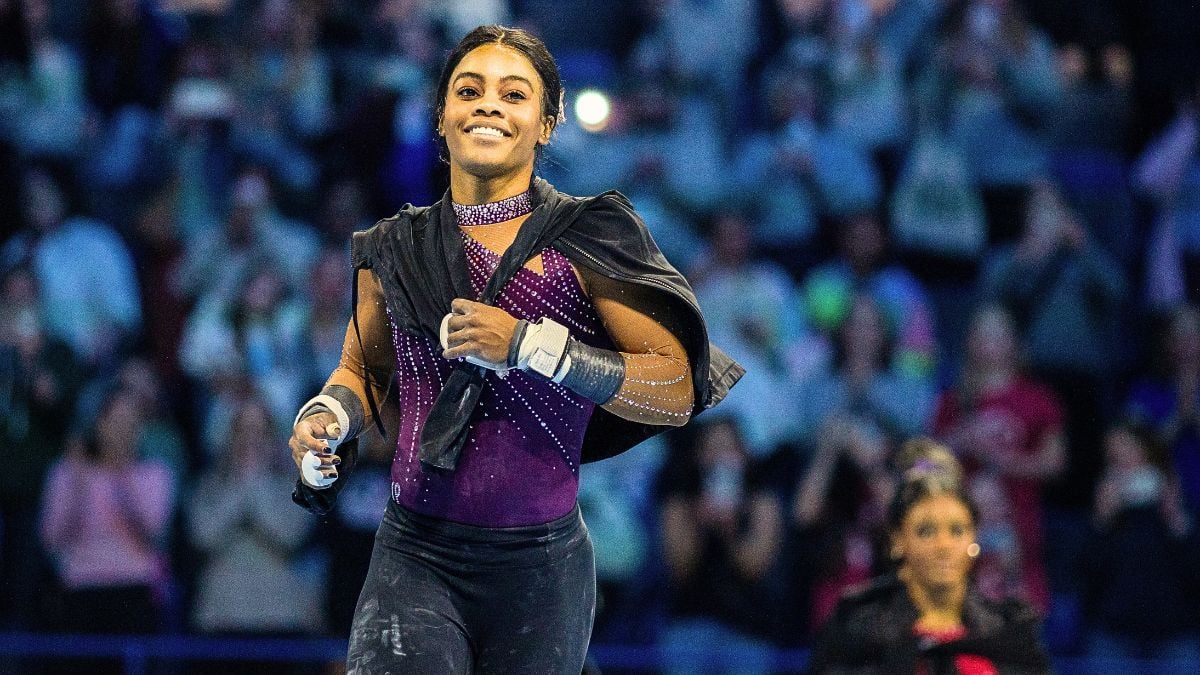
(926,618)
(528,331)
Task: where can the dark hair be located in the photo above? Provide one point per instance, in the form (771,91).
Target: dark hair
(1153,450)
(516,38)
(887,350)
(927,469)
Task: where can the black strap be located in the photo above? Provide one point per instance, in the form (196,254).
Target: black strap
(363,350)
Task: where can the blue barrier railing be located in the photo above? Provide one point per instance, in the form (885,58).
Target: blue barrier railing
(137,652)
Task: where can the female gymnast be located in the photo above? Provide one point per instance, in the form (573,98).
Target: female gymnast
(527,331)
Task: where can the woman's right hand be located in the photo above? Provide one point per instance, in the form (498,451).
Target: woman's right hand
(313,434)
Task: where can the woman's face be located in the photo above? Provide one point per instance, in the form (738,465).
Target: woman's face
(118,428)
(992,342)
(1123,450)
(933,541)
(864,333)
(493,119)
(1183,340)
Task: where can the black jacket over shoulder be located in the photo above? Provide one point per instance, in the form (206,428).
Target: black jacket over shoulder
(872,632)
(418,257)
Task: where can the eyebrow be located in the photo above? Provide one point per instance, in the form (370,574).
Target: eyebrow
(506,78)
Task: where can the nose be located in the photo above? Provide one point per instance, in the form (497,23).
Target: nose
(488,108)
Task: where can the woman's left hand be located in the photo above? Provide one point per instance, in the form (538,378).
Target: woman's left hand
(478,330)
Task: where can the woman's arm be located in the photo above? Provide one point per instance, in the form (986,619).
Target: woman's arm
(60,501)
(757,549)
(657,387)
(344,397)
(647,379)
(680,537)
(349,376)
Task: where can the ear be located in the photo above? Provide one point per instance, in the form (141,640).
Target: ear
(547,131)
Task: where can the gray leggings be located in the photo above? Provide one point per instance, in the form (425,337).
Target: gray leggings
(449,599)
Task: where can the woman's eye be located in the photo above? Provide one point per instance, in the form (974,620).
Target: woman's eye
(925,530)
(515,96)
(958,530)
(468,91)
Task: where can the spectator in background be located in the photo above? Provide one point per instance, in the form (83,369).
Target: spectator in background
(283,83)
(388,89)
(1090,140)
(52,109)
(617,502)
(105,517)
(343,211)
(721,531)
(1004,424)
(253,580)
(1065,294)
(706,44)
(998,572)
(84,272)
(839,515)
(993,85)
(128,48)
(936,209)
(927,617)
(1097,99)
(1141,567)
(1166,400)
(799,169)
(255,235)
(862,382)
(749,306)
(862,266)
(868,100)
(1168,173)
(39,379)
(195,148)
(261,333)
(161,439)
(158,248)
(329,294)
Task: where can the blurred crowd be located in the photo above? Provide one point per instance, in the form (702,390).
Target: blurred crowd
(976,219)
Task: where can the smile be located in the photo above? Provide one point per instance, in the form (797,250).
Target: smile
(490,132)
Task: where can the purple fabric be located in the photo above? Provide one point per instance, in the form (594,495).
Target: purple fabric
(520,464)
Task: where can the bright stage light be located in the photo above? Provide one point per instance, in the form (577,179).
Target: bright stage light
(592,109)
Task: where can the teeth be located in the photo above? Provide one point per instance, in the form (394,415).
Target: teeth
(486,131)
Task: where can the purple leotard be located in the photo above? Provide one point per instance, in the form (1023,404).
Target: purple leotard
(520,464)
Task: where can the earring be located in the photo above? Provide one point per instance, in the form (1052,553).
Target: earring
(973,550)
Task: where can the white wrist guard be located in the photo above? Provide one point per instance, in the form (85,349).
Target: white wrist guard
(334,406)
(543,347)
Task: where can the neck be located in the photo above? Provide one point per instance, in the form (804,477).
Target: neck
(940,607)
(466,188)
(992,378)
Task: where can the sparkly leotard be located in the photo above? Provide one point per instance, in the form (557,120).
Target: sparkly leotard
(520,464)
